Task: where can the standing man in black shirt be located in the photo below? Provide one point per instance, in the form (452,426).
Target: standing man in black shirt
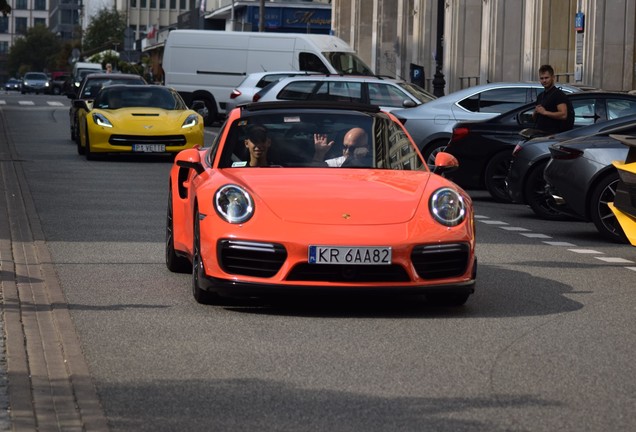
(551,113)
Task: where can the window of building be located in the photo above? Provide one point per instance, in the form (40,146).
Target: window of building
(20,4)
(173,4)
(4,47)
(143,4)
(182,5)
(162,4)
(153,4)
(39,22)
(20,25)
(4,24)
(133,3)
(39,4)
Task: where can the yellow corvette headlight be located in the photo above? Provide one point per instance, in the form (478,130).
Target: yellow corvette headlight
(101,120)
(191,120)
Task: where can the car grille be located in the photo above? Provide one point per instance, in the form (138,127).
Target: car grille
(440,261)
(348,273)
(251,258)
(129,140)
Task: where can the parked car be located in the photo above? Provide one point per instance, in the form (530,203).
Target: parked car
(88,89)
(59,81)
(525,183)
(137,119)
(255,82)
(299,226)
(582,179)
(484,148)
(431,125)
(35,82)
(12,84)
(387,93)
(624,205)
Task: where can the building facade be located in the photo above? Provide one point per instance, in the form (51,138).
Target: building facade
(475,41)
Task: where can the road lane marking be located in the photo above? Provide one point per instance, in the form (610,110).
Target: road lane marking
(535,235)
(26,102)
(509,228)
(54,103)
(3,102)
(558,243)
(586,251)
(493,222)
(615,260)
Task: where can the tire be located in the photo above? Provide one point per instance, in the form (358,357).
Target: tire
(603,218)
(212,112)
(541,203)
(87,147)
(200,295)
(431,151)
(174,262)
(75,131)
(495,176)
(81,150)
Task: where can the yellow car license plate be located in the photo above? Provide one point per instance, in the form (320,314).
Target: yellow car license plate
(149,148)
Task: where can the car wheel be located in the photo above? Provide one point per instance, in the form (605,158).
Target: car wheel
(444,299)
(87,146)
(200,295)
(212,113)
(431,151)
(603,218)
(76,134)
(174,262)
(495,176)
(539,200)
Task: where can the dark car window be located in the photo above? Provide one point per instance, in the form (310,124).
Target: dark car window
(497,100)
(268,79)
(342,91)
(292,140)
(92,87)
(584,111)
(386,95)
(299,90)
(620,108)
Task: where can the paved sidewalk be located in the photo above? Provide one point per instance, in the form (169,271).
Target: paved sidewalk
(48,386)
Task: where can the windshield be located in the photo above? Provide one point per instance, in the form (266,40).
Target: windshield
(348,63)
(35,76)
(149,97)
(325,139)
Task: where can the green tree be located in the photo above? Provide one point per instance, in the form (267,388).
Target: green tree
(106,31)
(36,51)
(4,7)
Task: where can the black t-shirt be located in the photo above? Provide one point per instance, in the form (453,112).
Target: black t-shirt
(550,99)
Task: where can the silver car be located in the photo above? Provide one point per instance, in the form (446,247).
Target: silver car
(431,124)
(35,82)
(255,82)
(388,93)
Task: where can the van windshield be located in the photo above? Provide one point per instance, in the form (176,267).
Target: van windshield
(347,63)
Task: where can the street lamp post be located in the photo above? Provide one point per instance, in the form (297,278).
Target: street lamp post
(438,81)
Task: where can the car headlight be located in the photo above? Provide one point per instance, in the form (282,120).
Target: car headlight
(191,120)
(101,120)
(447,207)
(233,203)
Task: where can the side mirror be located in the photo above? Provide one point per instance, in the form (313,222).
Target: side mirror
(408,103)
(445,162)
(199,106)
(81,104)
(191,159)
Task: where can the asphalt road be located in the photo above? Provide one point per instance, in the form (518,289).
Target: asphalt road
(547,343)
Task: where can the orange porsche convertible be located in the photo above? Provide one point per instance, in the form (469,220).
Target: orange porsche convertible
(295,197)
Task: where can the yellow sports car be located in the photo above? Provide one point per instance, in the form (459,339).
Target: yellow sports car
(624,205)
(138,119)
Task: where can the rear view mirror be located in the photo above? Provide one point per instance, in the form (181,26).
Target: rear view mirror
(199,106)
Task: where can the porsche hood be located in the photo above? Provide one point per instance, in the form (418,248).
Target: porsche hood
(363,197)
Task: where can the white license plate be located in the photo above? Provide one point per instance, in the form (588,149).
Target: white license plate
(349,255)
(149,148)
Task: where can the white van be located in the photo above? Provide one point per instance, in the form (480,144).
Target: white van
(81,69)
(208,64)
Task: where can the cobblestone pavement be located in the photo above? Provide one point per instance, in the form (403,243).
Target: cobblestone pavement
(45,384)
